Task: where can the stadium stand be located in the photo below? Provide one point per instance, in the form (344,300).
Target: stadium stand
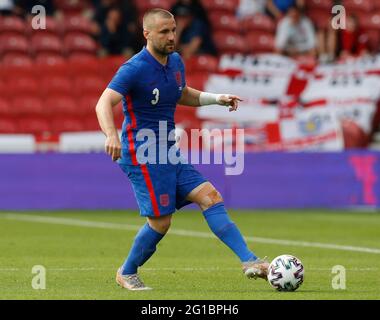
(50,79)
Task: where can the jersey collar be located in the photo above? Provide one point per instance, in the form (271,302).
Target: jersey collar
(154,61)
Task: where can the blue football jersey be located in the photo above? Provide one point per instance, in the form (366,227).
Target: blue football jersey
(150,93)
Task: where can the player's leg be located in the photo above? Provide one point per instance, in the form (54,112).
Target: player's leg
(211,203)
(158,213)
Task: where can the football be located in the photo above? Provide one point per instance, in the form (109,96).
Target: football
(286,273)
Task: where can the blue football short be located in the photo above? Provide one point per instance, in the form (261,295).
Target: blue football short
(160,189)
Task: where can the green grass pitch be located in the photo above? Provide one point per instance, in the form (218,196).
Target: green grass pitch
(82,250)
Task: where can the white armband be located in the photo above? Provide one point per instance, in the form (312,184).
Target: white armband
(207,98)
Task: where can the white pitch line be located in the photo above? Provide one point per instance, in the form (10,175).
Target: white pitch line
(179,232)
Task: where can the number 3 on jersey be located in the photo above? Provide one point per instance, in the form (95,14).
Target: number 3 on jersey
(156,93)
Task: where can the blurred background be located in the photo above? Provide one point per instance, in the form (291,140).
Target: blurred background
(306,87)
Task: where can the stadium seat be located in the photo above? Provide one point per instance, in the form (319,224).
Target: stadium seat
(13,43)
(224,22)
(56,85)
(355,6)
(369,21)
(87,104)
(22,84)
(229,42)
(44,42)
(373,39)
(67,124)
(5,108)
(33,125)
(77,24)
(260,42)
(72,6)
(202,63)
(258,22)
(61,105)
(49,59)
(226,6)
(28,105)
(197,80)
(91,123)
(76,42)
(17,59)
(144,5)
(8,126)
(11,72)
(320,18)
(319,4)
(52,26)
(83,58)
(12,24)
(89,85)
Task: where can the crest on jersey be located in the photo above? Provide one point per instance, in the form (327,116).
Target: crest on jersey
(178,77)
(164,200)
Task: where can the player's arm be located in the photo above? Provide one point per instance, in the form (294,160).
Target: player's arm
(195,98)
(104,112)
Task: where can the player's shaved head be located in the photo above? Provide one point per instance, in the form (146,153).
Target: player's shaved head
(151,16)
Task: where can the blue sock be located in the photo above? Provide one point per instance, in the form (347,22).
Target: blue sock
(221,225)
(142,249)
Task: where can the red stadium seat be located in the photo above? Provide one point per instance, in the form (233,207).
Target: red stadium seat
(229,43)
(260,42)
(320,18)
(227,6)
(373,39)
(91,123)
(89,85)
(22,84)
(49,59)
(13,43)
(61,105)
(5,108)
(76,42)
(258,22)
(44,42)
(355,6)
(202,63)
(370,21)
(28,106)
(145,5)
(72,6)
(67,124)
(319,4)
(83,58)
(17,59)
(51,27)
(224,22)
(34,125)
(87,104)
(12,25)
(8,126)
(56,85)
(77,24)
(197,80)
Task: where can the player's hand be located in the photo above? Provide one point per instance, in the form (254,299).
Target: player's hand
(230,100)
(113,147)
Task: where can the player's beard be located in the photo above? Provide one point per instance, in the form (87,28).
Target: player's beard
(164,50)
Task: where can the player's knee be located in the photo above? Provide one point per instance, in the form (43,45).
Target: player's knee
(160,224)
(210,199)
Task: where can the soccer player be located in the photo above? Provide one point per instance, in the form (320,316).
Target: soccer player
(150,85)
